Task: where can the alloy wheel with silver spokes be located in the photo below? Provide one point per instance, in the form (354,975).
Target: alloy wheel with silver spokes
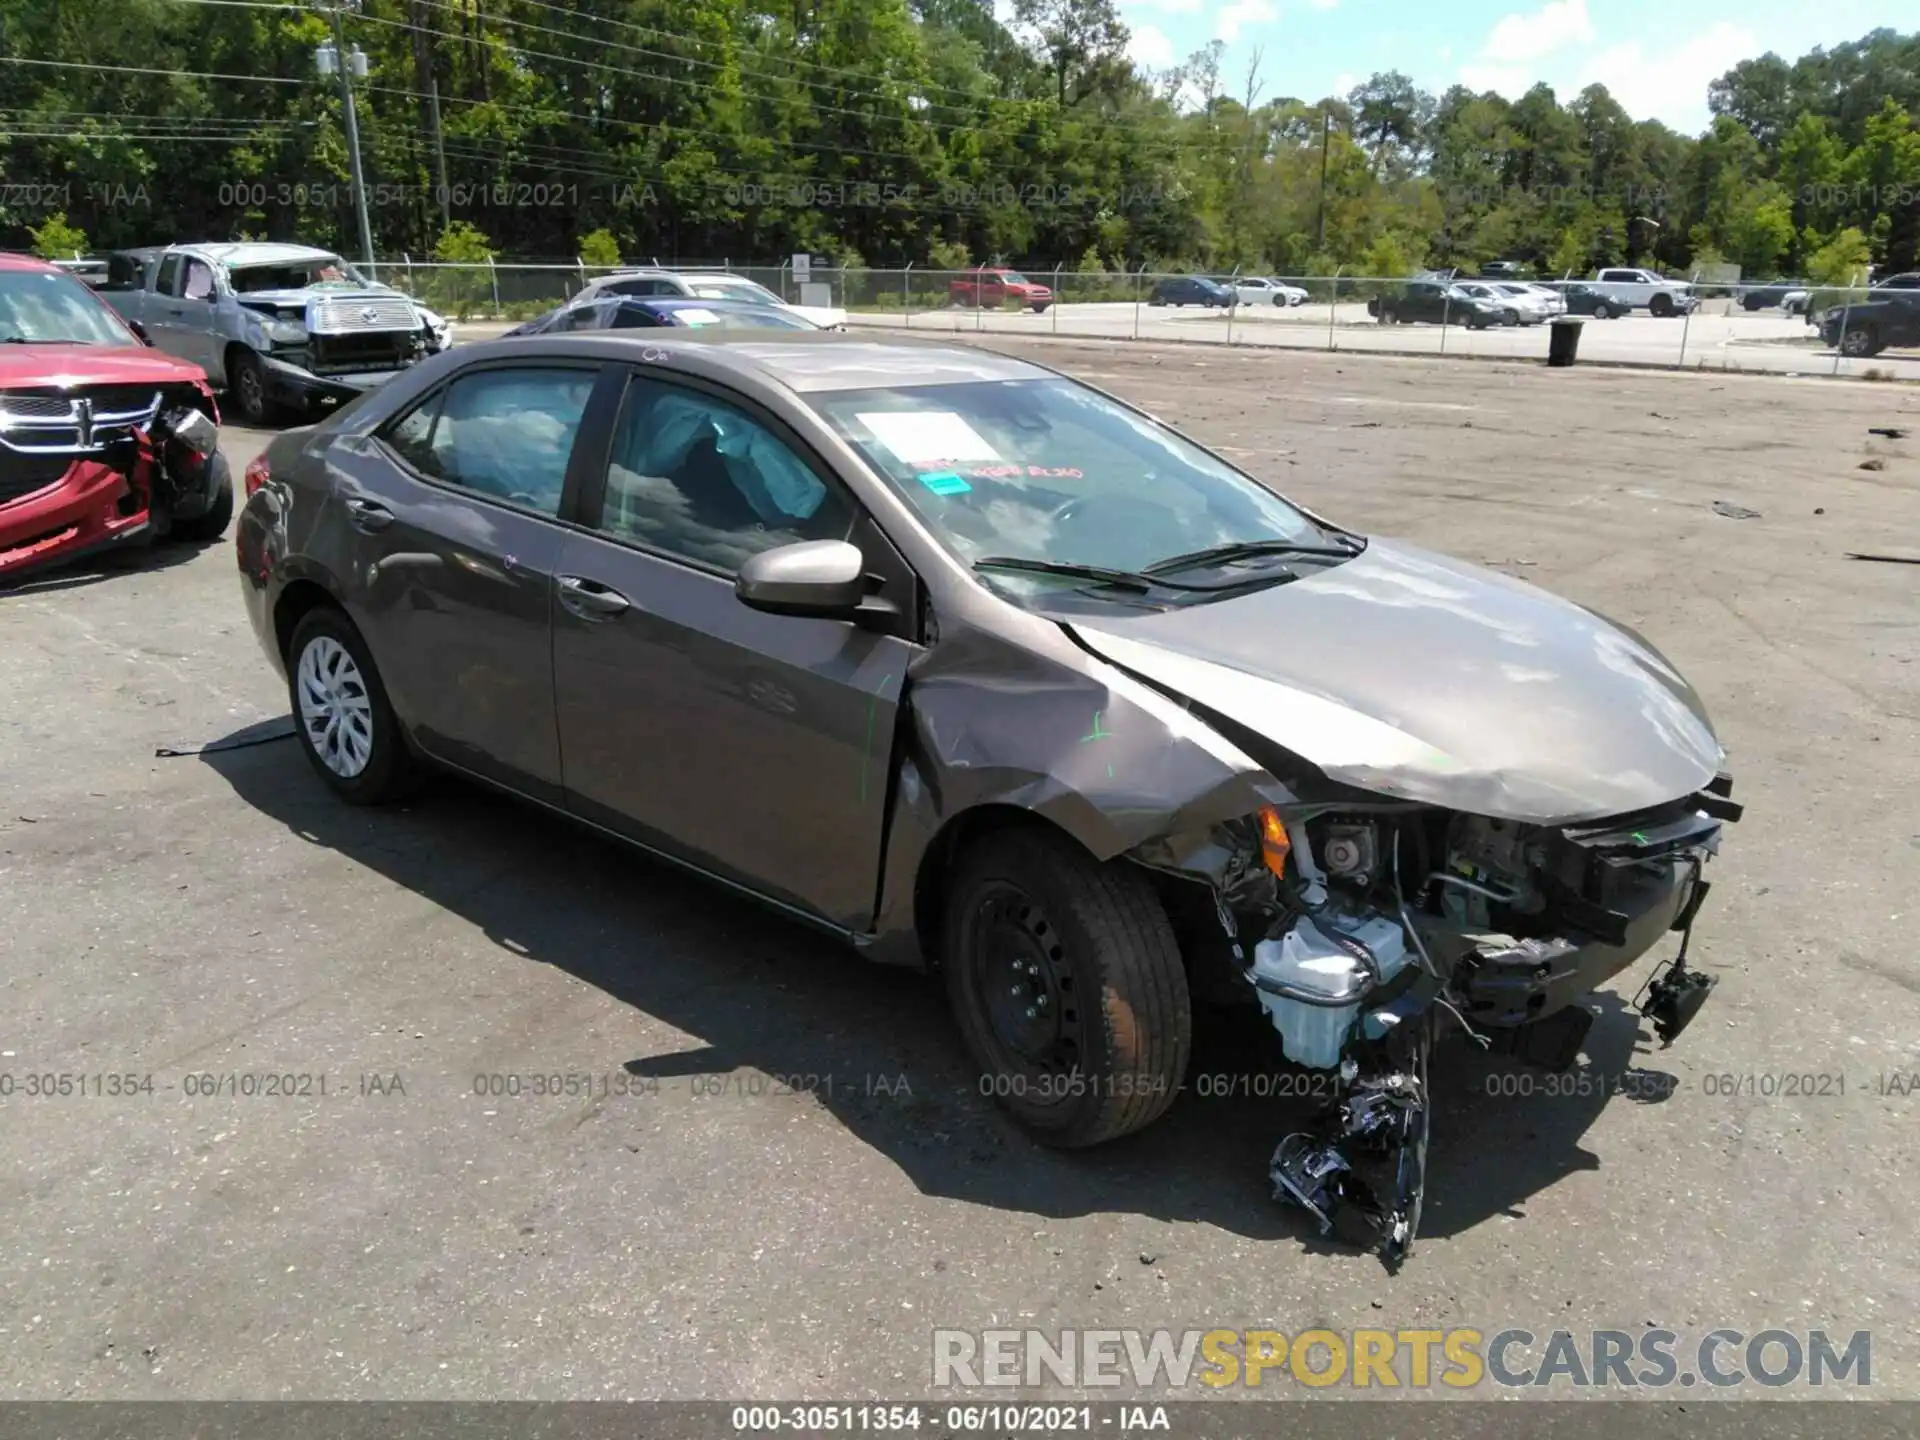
(336,712)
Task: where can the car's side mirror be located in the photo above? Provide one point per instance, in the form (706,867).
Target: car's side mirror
(139,332)
(821,578)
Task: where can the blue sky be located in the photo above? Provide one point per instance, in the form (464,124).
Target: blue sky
(1655,58)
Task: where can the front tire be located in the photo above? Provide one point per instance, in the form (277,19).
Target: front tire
(211,524)
(1662,306)
(341,713)
(1860,341)
(247,388)
(1067,984)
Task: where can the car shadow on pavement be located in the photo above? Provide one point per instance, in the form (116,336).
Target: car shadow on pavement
(768,997)
(117,564)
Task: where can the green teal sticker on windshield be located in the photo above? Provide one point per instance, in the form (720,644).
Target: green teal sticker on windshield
(945,482)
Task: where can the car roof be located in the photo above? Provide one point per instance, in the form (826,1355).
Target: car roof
(257,253)
(13,260)
(802,362)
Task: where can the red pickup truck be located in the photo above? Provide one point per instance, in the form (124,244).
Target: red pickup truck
(991,289)
(103,440)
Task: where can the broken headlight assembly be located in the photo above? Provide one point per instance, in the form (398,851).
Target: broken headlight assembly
(1389,922)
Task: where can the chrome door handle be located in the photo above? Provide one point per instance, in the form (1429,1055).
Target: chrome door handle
(589,599)
(366,516)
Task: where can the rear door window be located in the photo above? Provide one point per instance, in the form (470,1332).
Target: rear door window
(504,433)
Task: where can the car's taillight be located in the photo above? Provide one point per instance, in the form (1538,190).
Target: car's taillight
(257,474)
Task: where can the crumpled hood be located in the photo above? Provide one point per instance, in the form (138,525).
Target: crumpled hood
(1413,675)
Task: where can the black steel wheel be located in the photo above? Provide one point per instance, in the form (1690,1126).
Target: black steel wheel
(1067,983)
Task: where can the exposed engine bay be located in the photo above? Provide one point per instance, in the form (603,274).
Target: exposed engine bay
(1367,930)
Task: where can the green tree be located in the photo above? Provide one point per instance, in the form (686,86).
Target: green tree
(55,239)
(599,249)
(1842,260)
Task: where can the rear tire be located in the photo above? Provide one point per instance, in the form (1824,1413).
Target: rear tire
(341,714)
(1067,984)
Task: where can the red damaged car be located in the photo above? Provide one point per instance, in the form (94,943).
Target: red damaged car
(103,439)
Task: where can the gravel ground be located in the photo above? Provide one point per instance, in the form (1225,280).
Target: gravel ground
(402,1236)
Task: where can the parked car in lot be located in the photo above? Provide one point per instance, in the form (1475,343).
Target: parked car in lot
(706,285)
(623,312)
(1646,290)
(104,441)
(994,289)
(1191,290)
(278,327)
(975,666)
(1513,309)
(1549,300)
(1264,290)
(1887,318)
(1585,299)
(1437,302)
(1788,295)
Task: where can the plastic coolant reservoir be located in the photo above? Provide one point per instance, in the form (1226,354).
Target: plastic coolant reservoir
(1305,959)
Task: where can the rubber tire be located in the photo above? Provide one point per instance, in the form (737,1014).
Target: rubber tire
(393,773)
(252,408)
(1038,309)
(212,524)
(1661,306)
(1866,351)
(1118,945)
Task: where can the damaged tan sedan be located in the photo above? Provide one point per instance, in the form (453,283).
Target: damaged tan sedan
(985,670)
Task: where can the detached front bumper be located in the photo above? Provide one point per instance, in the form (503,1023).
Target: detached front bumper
(294,385)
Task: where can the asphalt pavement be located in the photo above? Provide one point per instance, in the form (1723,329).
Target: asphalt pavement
(762,1168)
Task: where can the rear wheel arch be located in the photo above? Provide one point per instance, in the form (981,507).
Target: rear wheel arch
(299,597)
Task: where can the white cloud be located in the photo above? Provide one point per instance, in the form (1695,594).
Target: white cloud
(1511,81)
(1670,83)
(1150,48)
(1446,52)
(1528,37)
(1165,7)
(1237,13)
(1342,83)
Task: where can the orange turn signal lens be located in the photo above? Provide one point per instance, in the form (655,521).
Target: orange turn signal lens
(1274,844)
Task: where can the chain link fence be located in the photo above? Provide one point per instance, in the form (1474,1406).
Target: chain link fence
(1704,322)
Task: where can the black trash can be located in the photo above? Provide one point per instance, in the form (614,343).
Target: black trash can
(1564,341)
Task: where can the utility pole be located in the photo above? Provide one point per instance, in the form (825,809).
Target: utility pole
(440,155)
(1326,129)
(335,59)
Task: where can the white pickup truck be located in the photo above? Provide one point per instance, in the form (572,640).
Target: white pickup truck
(1645,290)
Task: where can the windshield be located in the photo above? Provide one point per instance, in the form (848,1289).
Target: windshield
(1051,470)
(1012,277)
(745,291)
(322,270)
(49,308)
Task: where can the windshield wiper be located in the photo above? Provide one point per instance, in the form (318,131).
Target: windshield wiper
(1246,550)
(1119,579)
